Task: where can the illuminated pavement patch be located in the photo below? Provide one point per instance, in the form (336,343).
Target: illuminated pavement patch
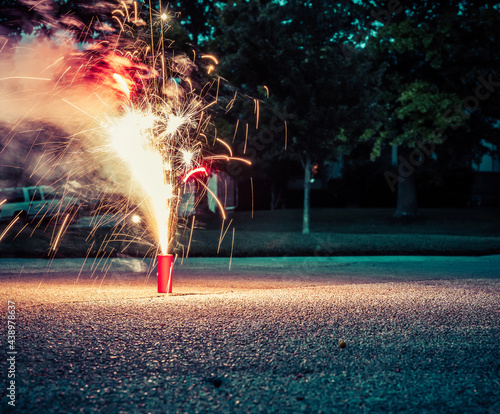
(67,280)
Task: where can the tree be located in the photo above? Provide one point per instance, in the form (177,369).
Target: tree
(293,49)
(438,54)
(196,17)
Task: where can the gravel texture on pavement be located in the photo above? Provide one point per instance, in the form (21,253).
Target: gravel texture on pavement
(412,345)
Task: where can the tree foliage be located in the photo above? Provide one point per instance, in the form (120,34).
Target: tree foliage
(198,17)
(292,50)
(435,55)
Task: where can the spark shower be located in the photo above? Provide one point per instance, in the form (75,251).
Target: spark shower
(134,112)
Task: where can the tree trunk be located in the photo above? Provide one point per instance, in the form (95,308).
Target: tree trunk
(407,193)
(307,194)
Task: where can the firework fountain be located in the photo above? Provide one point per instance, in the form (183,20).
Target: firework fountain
(135,116)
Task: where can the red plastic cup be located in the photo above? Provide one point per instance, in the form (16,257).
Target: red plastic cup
(165,266)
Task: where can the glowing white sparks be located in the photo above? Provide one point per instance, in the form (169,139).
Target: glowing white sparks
(131,138)
(129,134)
(174,123)
(187,157)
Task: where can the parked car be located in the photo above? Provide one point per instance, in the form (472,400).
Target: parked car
(41,202)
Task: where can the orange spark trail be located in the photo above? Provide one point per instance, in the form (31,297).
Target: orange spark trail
(190,236)
(221,207)
(9,227)
(226,145)
(58,238)
(211,57)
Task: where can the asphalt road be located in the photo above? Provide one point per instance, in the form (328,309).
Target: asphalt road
(363,266)
(421,335)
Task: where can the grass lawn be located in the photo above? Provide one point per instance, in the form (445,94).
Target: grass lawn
(334,232)
(463,222)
